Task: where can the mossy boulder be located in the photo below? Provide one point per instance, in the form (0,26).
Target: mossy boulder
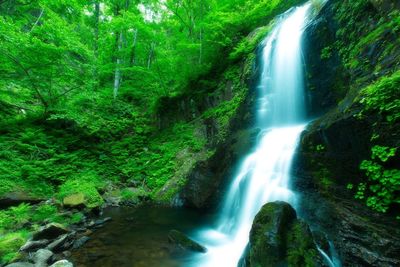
(75,201)
(184,242)
(9,244)
(278,238)
(268,234)
(301,249)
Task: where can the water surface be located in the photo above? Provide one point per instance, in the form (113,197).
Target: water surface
(138,237)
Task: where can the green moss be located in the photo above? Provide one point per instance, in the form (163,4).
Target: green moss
(326,53)
(361,28)
(88,184)
(133,195)
(301,248)
(9,245)
(248,45)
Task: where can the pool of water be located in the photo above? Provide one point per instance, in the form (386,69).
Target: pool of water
(139,237)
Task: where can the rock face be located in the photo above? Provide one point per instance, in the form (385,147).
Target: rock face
(206,181)
(184,242)
(278,238)
(333,146)
(325,85)
(16,198)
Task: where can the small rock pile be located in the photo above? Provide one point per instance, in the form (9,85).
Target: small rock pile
(51,245)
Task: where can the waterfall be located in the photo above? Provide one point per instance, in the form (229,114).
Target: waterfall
(264,175)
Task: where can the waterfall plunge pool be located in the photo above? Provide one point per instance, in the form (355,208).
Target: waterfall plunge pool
(138,237)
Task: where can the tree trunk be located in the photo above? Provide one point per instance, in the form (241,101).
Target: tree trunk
(38,19)
(96,27)
(132,59)
(118,76)
(96,43)
(201,34)
(151,55)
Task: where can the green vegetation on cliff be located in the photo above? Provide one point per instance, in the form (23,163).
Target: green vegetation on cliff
(360,133)
(381,190)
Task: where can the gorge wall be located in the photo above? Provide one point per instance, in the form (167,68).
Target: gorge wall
(352,49)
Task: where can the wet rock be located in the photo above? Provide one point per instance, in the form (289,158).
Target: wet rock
(321,241)
(327,85)
(50,231)
(20,264)
(80,242)
(385,6)
(41,257)
(60,256)
(15,198)
(278,238)
(268,234)
(75,201)
(184,242)
(62,263)
(64,242)
(34,245)
(99,223)
(301,248)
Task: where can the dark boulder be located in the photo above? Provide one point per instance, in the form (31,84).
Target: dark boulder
(50,231)
(80,242)
(184,242)
(278,238)
(62,243)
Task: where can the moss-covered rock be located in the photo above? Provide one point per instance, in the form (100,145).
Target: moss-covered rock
(184,242)
(278,238)
(9,245)
(74,201)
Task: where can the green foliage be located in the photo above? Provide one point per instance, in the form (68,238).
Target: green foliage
(156,163)
(361,28)
(16,224)
(87,183)
(382,153)
(326,53)
(301,250)
(133,196)
(14,217)
(44,212)
(381,189)
(383,96)
(9,245)
(249,44)
(62,132)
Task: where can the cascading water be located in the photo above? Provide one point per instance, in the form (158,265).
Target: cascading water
(264,174)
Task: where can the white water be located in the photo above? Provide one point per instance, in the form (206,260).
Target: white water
(264,175)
